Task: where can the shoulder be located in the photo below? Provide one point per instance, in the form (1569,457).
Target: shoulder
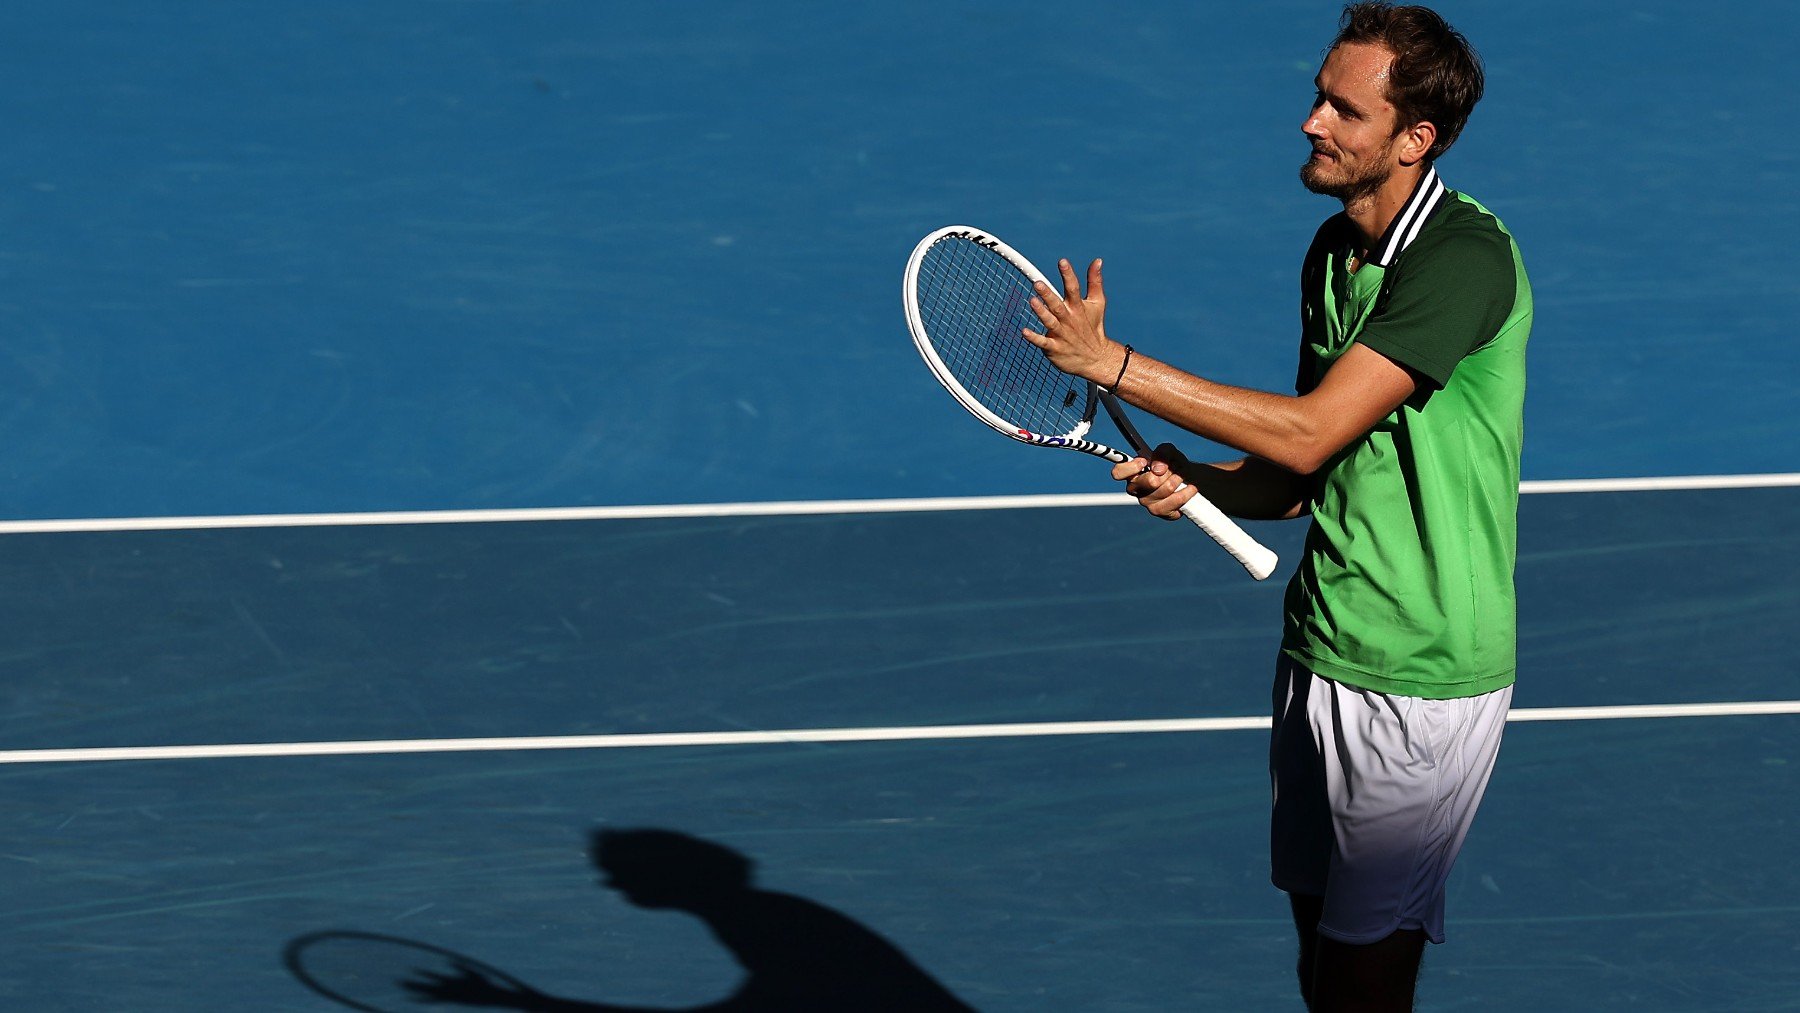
(1462,254)
(1462,236)
(1450,291)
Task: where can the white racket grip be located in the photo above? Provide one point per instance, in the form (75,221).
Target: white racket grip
(1254,556)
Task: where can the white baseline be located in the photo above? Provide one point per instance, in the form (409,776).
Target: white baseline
(790,508)
(646,740)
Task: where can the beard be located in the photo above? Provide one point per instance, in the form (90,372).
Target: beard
(1349,188)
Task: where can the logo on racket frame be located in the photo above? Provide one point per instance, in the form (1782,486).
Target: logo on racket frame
(985,242)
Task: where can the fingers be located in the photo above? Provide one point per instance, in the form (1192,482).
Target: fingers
(1049,307)
(1071,287)
(1046,305)
(1128,470)
(1146,478)
(1170,454)
(1155,483)
(1166,499)
(1070,334)
(1046,312)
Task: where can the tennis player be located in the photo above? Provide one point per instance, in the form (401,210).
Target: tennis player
(1402,443)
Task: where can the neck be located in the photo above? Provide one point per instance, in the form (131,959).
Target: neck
(1374,211)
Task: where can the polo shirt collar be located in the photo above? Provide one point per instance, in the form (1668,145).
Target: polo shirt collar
(1405,227)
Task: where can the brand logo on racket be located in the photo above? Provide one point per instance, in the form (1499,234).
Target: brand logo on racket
(978,239)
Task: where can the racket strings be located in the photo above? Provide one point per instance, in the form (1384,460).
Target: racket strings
(974,305)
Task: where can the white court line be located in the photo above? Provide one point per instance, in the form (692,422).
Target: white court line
(790,508)
(1565,485)
(646,740)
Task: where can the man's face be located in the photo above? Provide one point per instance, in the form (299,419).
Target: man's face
(1352,125)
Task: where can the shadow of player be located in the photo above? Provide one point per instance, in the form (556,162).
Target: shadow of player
(798,956)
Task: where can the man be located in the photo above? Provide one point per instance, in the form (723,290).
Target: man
(1402,442)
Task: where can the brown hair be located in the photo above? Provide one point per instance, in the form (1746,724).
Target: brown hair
(1436,75)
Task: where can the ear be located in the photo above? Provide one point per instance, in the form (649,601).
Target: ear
(1416,142)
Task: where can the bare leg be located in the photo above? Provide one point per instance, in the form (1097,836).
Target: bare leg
(1307,910)
(1373,978)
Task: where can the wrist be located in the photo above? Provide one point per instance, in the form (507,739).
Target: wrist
(1114,373)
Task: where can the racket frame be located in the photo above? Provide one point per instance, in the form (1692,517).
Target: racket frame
(915,324)
(1256,559)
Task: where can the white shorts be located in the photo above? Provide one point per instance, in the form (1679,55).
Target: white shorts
(1374,795)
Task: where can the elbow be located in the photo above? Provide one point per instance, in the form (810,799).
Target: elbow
(1304,456)
(1311,441)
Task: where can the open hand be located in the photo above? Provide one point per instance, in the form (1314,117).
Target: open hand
(1074,336)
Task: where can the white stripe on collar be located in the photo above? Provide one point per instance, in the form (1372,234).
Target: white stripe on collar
(1411,219)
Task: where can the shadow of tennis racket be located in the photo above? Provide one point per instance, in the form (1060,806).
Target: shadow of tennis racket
(798,956)
(387,974)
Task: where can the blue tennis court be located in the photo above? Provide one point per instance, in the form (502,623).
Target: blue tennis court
(441,432)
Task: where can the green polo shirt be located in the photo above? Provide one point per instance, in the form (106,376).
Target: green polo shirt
(1406,581)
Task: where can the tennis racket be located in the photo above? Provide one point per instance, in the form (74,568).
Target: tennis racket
(387,974)
(968,297)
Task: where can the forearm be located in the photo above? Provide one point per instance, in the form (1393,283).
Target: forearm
(1252,488)
(1274,427)
(1298,433)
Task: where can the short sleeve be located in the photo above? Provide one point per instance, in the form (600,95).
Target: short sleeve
(1448,295)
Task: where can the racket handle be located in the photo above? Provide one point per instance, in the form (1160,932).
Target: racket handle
(1256,558)
(1208,518)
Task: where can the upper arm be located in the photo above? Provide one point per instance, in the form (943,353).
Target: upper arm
(1448,296)
(1359,390)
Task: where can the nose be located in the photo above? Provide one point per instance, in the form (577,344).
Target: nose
(1313,126)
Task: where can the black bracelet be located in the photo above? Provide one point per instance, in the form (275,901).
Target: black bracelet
(1122,365)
